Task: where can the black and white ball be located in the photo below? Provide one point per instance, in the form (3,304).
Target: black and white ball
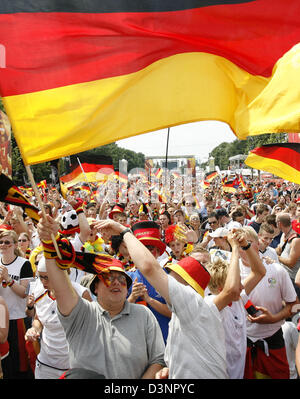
(69,220)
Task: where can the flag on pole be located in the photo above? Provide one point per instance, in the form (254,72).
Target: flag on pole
(81,74)
(92,168)
(229,186)
(42,184)
(282,159)
(158,173)
(11,194)
(210,176)
(242,182)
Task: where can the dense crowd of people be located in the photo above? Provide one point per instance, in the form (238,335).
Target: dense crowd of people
(206,286)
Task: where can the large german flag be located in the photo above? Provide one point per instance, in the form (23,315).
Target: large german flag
(282,160)
(80,74)
(88,168)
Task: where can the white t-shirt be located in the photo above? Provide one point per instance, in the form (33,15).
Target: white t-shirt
(234,323)
(20,269)
(291,335)
(196,341)
(269,252)
(273,288)
(54,348)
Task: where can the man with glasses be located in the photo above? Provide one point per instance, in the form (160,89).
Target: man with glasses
(213,224)
(110,336)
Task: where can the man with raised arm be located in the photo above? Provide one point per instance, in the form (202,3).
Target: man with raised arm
(110,336)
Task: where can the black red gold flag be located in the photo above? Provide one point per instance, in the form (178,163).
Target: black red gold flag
(81,74)
(282,159)
(90,168)
(229,186)
(11,194)
(210,176)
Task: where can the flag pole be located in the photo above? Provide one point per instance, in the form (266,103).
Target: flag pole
(78,160)
(167,148)
(39,199)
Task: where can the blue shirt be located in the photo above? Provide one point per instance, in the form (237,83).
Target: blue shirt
(163,321)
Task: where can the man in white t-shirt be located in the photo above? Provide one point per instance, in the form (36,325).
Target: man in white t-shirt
(266,353)
(265,237)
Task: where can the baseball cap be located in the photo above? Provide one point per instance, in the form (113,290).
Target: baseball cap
(220,232)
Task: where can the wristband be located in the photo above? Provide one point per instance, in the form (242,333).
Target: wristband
(11,283)
(128,230)
(246,247)
(78,207)
(79,210)
(49,249)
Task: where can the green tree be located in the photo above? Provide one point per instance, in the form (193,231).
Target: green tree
(224,151)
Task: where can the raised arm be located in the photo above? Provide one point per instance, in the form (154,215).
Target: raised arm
(141,257)
(85,229)
(65,294)
(232,287)
(258,270)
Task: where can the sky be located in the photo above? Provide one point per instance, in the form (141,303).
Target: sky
(198,139)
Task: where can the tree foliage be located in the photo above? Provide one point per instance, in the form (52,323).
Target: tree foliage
(224,151)
(43,170)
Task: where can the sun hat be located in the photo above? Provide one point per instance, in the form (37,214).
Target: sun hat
(115,265)
(193,272)
(149,234)
(116,209)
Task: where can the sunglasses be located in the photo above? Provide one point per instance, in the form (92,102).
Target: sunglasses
(6,242)
(112,277)
(44,278)
(22,240)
